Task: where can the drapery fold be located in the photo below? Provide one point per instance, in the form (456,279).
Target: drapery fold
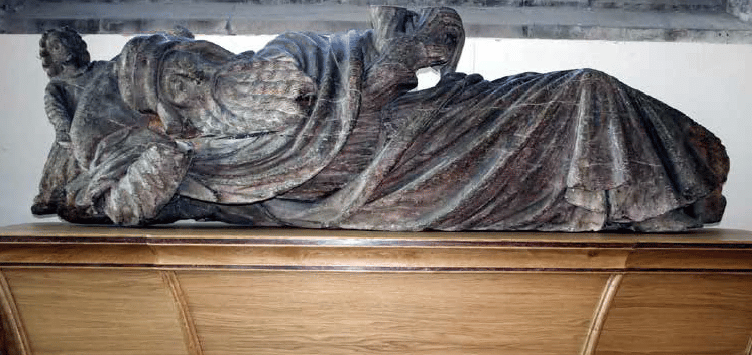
(246,170)
(571,150)
(321,131)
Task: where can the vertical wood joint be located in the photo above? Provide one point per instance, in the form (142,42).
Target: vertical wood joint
(10,310)
(601,312)
(187,325)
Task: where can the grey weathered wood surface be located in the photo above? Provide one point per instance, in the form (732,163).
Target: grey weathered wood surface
(323,131)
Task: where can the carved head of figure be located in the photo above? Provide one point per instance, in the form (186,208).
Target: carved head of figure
(144,88)
(441,30)
(63,52)
(434,34)
(199,88)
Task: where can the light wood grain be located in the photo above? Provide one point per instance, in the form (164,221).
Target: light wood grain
(198,290)
(391,313)
(335,258)
(601,312)
(16,334)
(339,258)
(58,246)
(390,257)
(698,258)
(211,256)
(186,232)
(192,342)
(96,312)
(679,314)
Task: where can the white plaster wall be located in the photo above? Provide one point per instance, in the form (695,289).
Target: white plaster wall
(709,82)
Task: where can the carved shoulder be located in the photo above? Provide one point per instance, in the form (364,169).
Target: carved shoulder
(58,106)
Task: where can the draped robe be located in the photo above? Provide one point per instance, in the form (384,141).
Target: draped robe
(572,150)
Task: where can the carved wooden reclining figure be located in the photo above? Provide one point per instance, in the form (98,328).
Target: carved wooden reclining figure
(324,132)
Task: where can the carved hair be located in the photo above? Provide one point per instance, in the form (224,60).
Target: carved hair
(71,40)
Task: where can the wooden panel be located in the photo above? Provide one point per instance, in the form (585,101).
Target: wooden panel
(9,344)
(397,313)
(393,257)
(227,234)
(96,312)
(354,256)
(61,245)
(15,339)
(679,314)
(212,256)
(200,290)
(691,258)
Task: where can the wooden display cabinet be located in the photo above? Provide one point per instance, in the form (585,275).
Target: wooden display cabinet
(197,289)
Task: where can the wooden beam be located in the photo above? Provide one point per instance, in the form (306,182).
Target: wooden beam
(586,21)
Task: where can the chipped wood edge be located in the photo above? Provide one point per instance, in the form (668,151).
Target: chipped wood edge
(748,351)
(187,325)
(601,312)
(18,330)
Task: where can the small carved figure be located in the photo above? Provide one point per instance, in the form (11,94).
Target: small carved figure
(326,132)
(66,62)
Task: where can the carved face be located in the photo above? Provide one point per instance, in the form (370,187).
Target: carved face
(54,54)
(203,89)
(443,36)
(185,79)
(437,34)
(441,45)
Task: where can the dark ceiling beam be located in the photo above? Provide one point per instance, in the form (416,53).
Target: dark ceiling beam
(620,20)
